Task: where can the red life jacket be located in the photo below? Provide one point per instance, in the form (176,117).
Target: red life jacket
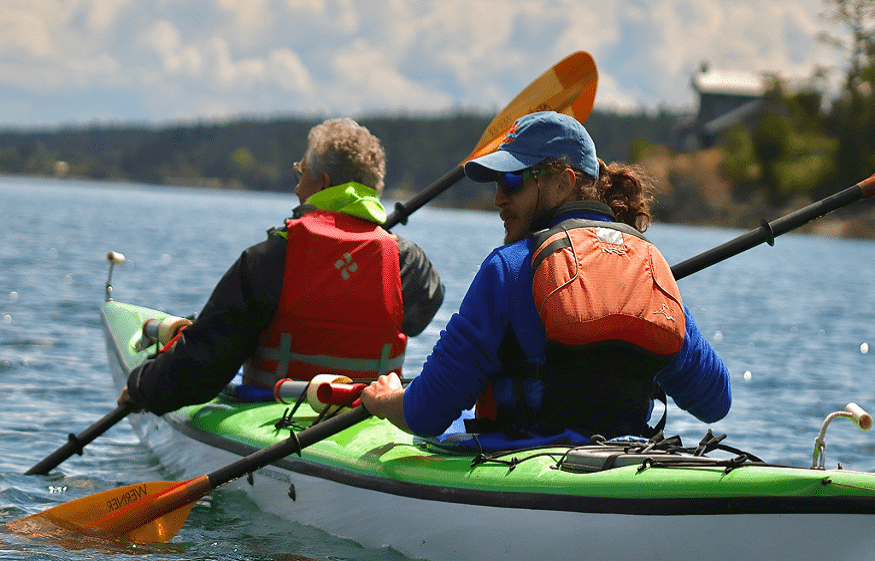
(340,308)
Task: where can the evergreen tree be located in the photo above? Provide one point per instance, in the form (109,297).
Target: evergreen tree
(853,113)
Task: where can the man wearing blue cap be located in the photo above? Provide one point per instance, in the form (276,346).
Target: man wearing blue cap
(576,324)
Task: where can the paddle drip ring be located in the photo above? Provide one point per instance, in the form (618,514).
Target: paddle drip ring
(294,436)
(77,444)
(770,233)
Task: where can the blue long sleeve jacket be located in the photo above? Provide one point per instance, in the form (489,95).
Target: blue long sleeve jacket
(466,356)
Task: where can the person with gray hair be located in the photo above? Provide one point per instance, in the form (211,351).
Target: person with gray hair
(346,152)
(329,292)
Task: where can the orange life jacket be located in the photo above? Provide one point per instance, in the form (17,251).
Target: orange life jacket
(613,317)
(340,308)
(601,281)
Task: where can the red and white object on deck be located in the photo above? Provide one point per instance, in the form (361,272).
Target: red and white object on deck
(323,390)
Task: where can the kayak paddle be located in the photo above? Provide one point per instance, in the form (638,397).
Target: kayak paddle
(768,231)
(568,87)
(75,442)
(154,512)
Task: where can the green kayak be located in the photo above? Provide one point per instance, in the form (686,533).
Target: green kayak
(375,484)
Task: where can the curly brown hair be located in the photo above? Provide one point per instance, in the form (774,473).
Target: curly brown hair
(348,152)
(628,190)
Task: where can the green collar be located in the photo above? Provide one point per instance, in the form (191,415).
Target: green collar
(351,198)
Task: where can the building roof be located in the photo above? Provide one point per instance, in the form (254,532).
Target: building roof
(723,82)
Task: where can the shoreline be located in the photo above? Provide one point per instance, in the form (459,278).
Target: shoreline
(704,203)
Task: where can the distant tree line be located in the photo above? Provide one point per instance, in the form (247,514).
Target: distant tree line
(258,155)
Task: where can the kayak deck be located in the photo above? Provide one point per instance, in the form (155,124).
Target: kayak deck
(376,454)
(387,457)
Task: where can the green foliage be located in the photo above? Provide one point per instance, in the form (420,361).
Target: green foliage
(740,160)
(797,149)
(802,175)
(771,146)
(241,159)
(852,120)
(614,135)
(771,139)
(638,148)
(787,153)
(10,160)
(853,123)
(804,109)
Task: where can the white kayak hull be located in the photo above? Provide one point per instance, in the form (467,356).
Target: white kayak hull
(444,525)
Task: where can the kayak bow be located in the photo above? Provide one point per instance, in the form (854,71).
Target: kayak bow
(380,486)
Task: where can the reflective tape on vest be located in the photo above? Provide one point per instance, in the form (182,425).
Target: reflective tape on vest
(284,357)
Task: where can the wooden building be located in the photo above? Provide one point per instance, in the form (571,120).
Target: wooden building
(725,98)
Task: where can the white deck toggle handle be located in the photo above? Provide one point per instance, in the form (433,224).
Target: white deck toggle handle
(317,381)
(852,411)
(859,416)
(114,259)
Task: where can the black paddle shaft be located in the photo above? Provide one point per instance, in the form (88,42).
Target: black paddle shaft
(75,442)
(767,232)
(403,210)
(292,445)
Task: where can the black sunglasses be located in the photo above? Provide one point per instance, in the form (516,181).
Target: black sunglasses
(512,182)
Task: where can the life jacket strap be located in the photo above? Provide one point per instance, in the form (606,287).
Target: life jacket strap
(284,356)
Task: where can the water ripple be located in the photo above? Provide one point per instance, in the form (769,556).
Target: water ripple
(791,322)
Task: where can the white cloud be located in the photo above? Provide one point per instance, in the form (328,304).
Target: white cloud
(104,13)
(611,97)
(369,77)
(301,5)
(590,28)
(27,28)
(100,68)
(247,14)
(229,73)
(287,69)
(177,59)
(162,59)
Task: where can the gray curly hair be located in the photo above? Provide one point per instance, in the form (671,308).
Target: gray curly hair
(348,152)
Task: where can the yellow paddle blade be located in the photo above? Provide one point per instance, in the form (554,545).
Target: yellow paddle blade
(140,513)
(568,87)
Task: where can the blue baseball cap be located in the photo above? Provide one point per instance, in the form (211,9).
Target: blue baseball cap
(534,138)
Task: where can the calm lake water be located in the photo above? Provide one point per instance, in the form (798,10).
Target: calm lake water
(793,322)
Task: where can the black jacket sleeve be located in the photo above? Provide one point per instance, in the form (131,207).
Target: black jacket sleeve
(210,351)
(421,287)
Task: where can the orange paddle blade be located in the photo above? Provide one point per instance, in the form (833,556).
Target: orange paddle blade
(141,513)
(568,87)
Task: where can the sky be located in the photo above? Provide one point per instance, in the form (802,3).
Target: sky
(94,62)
